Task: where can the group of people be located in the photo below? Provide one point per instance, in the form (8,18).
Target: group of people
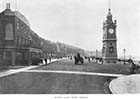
(134,68)
(78,56)
(97,60)
(44,61)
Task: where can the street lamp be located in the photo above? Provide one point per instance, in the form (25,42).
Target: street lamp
(96,55)
(124,50)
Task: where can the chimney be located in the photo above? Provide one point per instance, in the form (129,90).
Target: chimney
(7,5)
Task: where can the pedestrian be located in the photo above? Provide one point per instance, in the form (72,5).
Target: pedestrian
(88,59)
(45,61)
(133,68)
(40,61)
(49,59)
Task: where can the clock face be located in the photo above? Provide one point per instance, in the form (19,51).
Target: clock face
(111,49)
(111,31)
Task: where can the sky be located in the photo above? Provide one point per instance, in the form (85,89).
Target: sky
(79,22)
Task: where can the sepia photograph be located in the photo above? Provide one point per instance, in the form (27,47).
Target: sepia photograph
(61,47)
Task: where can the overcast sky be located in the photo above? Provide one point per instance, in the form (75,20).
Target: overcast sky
(79,22)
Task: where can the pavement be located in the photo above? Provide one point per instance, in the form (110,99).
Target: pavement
(20,69)
(126,84)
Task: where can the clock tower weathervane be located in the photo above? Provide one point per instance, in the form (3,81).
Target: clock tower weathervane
(109,50)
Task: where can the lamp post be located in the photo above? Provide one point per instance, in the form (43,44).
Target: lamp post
(124,50)
(96,55)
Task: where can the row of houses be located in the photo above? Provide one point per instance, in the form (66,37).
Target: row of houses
(20,45)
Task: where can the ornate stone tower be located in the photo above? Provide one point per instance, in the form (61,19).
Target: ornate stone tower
(109,50)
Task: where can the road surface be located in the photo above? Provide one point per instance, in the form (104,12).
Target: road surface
(62,77)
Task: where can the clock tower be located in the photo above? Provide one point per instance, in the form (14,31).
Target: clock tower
(109,50)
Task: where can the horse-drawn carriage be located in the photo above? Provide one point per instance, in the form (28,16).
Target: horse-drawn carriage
(78,59)
(135,69)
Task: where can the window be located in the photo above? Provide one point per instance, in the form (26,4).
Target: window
(21,40)
(9,32)
(17,25)
(17,40)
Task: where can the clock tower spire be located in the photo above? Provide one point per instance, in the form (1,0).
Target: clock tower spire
(109,50)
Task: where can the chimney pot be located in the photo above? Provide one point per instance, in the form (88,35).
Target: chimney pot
(8,6)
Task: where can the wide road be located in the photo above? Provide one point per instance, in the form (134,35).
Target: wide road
(62,77)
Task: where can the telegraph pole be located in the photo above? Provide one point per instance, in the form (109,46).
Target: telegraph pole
(96,55)
(124,50)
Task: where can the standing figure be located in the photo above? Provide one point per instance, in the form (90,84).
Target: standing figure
(133,68)
(45,61)
(49,59)
(88,59)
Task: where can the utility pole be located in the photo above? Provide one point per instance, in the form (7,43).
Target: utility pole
(124,50)
(96,55)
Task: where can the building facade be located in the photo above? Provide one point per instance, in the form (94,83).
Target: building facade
(19,45)
(17,40)
(109,50)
